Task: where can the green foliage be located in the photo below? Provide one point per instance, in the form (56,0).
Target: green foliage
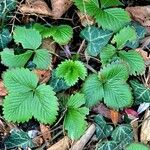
(102,129)
(109,145)
(71,71)
(5,38)
(109,84)
(18,139)
(75,116)
(137,146)
(26,98)
(140,92)
(109,18)
(97,39)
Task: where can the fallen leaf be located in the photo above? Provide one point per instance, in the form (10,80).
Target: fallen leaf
(45,131)
(132,114)
(140,14)
(134,124)
(144,135)
(114,115)
(143,107)
(62,144)
(3,91)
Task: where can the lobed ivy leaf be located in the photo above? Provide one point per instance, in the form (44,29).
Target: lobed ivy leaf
(11,60)
(75,116)
(137,146)
(96,38)
(109,145)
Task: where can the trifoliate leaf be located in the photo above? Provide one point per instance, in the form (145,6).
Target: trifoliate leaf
(93,90)
(96,38)
(26,99)
(71,71)
(134,60)
(109,145)
(18,139)
(102,129)
(5,38)
(110,3)
(75,116)
(137,146)
(127,34)
(42,59)
(123,135)
(11,60)
(61,34)
(112,19)
(29,38)
(141,93)
(107,53)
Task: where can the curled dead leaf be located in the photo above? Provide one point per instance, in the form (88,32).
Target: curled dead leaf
(3,91)
(45,131)
(114,115)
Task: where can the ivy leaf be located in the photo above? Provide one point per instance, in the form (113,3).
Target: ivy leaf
(109,145)
(123,135)
(5,38)
(42,59)
(11,60)
(97,39)
(112,19)
(137,146)
(61,34)
(93,90)
(110,3)
(127,34)
(136,64)
(71,71)
(102,129)
(18,139)
(141,93)
(29,38)
(75,116)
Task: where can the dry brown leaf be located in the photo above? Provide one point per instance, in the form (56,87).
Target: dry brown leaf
(63,144)
(3,91)
(134,124)
(140,14)
(114,115)
(38,7)
(45,131)
(59,7)
(143,53)
(144,135)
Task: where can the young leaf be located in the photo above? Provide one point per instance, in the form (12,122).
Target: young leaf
(137,146)
(18,139)
(42,59)
(61,34)
(109,145)
(11,60)
(5,38)
(127,34)
(29,38)
(75,116)
(134,60)
(71,71)
(97,39)
(110,3)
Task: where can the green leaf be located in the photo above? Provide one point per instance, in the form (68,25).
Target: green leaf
(137,146)
(96,38)
(18,139)
(61,34)
(123,135)
(29,38)
(112,19)
(71,71)
(109,145)
(102,129)
(107,54)
(5,38)
(40,28)
(110,3)
(93,90)
(127,34)
(134,60)
(140,92)
(75,116)
(11,60)
(42,59)
(26,99)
